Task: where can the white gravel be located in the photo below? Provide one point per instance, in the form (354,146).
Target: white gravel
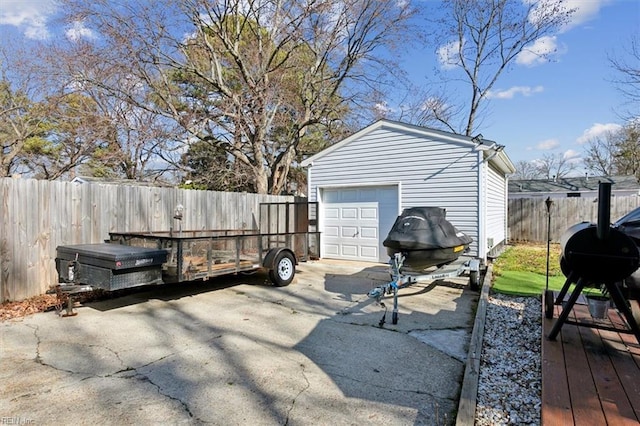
(510,382)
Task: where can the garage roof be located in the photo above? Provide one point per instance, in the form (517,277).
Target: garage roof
(492,152)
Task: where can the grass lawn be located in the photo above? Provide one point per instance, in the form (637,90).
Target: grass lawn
(522,270)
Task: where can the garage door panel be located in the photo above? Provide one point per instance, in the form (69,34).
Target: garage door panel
(369,213)
(349,231)
(368,232)
(331,231)
(349,213)
(331,213)
(349,250)
(331,249)
(369,252)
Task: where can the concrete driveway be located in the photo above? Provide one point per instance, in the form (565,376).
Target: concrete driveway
(235,351)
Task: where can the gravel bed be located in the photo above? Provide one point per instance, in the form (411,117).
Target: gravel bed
(510,382)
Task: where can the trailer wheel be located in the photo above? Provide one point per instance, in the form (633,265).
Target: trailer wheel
(285,269)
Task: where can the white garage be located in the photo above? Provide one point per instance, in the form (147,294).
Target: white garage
(365,181)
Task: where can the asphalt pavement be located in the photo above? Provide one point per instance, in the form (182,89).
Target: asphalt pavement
(238,351)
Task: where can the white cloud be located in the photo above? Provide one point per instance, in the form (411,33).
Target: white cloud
(596,131)
(448,55)
(571,155)
(548,144)
(540,51)
(29,16)
(583,11)
(513,91)
(78,31)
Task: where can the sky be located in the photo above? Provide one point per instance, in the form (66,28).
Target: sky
(536,108)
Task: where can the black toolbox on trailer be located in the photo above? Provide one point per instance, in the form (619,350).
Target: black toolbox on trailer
(110,266)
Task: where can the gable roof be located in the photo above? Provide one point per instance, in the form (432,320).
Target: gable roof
(492,151)
(572,184)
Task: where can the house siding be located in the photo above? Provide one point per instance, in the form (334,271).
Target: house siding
(431,172)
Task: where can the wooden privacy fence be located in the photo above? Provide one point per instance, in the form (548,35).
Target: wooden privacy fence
(38,216)
(527,218)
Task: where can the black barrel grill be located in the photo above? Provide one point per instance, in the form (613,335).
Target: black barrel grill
(596,255)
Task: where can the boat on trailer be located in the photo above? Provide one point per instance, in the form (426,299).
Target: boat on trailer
(425,238)
(422,238)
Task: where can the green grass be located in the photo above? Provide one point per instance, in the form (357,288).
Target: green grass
(520,283)
(522,270)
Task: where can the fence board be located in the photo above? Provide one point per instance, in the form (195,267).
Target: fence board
(38,216)
(528,219)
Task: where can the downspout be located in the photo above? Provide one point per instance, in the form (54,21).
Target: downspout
(505,219)
(482,208)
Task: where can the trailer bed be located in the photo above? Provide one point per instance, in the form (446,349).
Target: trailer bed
(195,254)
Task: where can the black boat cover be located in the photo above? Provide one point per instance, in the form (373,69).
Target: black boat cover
(630,224)
(424,228)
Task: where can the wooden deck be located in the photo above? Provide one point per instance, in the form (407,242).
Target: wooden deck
(590,376)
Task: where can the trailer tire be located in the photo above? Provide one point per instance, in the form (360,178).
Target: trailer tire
(284,269)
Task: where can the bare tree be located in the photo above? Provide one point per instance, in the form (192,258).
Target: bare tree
(627,151)
(616,153)
(555,166)
(628,81)
(599,156)
(122,138)
(253,77)
(482,38)
(526,170)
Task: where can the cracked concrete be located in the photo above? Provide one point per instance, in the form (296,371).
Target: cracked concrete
(236,351)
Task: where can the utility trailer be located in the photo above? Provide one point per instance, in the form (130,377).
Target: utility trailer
(132,259)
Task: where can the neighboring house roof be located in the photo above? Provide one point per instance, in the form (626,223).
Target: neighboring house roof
(572,184)
(115,181)
(493,152)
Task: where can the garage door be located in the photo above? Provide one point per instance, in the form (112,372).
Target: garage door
(356,220)
(351,231)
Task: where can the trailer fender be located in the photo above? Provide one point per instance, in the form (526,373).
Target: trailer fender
(281,263)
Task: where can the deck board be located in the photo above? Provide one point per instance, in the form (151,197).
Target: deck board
(556,403)
(590,376)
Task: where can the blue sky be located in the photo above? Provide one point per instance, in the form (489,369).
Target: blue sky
(537,108)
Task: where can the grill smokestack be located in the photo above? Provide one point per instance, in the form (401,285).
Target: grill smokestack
(604,210)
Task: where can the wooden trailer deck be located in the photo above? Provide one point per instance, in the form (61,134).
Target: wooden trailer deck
(590,376)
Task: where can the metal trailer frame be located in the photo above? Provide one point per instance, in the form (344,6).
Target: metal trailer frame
(199,254)
(400,280)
